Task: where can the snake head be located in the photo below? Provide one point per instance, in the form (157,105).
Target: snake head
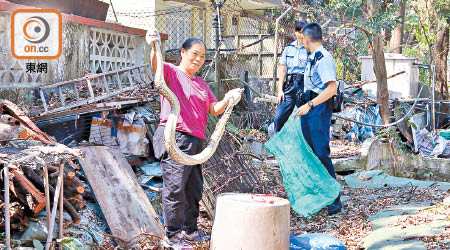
(152,37)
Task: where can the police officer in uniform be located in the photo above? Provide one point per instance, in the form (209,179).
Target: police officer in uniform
(316,110)
(290,75)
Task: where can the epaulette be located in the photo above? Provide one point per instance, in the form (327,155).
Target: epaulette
(291,44)
(317,57)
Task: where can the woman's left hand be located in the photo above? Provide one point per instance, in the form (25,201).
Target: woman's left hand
(233,96)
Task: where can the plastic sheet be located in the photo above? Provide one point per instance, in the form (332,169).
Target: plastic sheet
(308,185)
(378,179)
(360,132)
(315,242)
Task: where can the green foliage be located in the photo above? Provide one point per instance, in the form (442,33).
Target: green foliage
(423,20)
(70,243)
(354,12)
(443,7)
(346,7)
(347,54)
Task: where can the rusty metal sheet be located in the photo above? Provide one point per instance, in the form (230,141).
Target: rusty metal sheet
(94,9)
(25,122)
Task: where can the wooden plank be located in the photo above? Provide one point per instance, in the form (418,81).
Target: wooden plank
(91,90)
(121,198)
(43,100)
(77,94)
(61,96)
(87,101)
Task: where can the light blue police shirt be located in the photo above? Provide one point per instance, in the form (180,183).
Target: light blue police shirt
(294,58)
(320,69)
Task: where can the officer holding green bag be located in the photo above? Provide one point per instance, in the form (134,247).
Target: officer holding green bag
(317,107)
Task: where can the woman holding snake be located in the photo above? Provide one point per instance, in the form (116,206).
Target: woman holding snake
(183,184)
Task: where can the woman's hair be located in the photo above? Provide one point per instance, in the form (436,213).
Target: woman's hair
(191,41)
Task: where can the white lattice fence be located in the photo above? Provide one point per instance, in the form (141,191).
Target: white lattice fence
(110,50)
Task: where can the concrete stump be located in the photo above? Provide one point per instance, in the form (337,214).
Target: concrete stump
(250,222)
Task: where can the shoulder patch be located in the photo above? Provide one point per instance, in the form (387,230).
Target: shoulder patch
(317,57)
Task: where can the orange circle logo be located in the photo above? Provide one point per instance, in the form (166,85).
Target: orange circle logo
(36,29)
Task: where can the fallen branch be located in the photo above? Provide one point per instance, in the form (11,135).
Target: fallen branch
(359,84)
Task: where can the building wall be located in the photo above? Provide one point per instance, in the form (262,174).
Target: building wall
(89,46)
(86,49)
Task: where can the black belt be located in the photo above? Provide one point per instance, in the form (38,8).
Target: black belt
(292,77)
(293,82)
(305,97)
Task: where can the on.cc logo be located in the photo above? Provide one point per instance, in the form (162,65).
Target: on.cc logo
(36,34)
(36,29)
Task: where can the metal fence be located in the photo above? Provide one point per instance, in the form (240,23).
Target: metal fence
(242,53)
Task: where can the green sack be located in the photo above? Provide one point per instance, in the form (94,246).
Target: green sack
(308,184)
(445,134)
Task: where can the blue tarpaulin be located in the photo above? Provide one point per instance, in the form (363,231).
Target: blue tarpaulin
(315,242)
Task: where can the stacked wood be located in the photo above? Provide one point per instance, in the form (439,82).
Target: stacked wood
(27,194)
(68,191)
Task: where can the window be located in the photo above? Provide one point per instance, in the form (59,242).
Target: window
(178,26)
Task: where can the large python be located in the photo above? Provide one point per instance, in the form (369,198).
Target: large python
(170,143)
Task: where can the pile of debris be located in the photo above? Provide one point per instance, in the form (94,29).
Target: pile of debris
(29,159)
(432,144)
(344,149)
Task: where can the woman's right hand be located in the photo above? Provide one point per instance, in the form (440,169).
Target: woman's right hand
(152,37)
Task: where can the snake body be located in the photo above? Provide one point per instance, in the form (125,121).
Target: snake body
(169,132)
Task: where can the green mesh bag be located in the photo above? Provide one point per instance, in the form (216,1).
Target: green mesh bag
(308,185)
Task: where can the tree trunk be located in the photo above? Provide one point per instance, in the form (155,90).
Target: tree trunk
(379,67)
(395,45)
(441,50)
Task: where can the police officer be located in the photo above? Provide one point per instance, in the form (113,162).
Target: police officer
(290,75)
(319,88)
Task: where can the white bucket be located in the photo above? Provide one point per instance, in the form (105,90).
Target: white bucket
(250,222)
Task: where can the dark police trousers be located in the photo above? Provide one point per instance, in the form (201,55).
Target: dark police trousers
(316,131)
(182,185)
(285,108)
